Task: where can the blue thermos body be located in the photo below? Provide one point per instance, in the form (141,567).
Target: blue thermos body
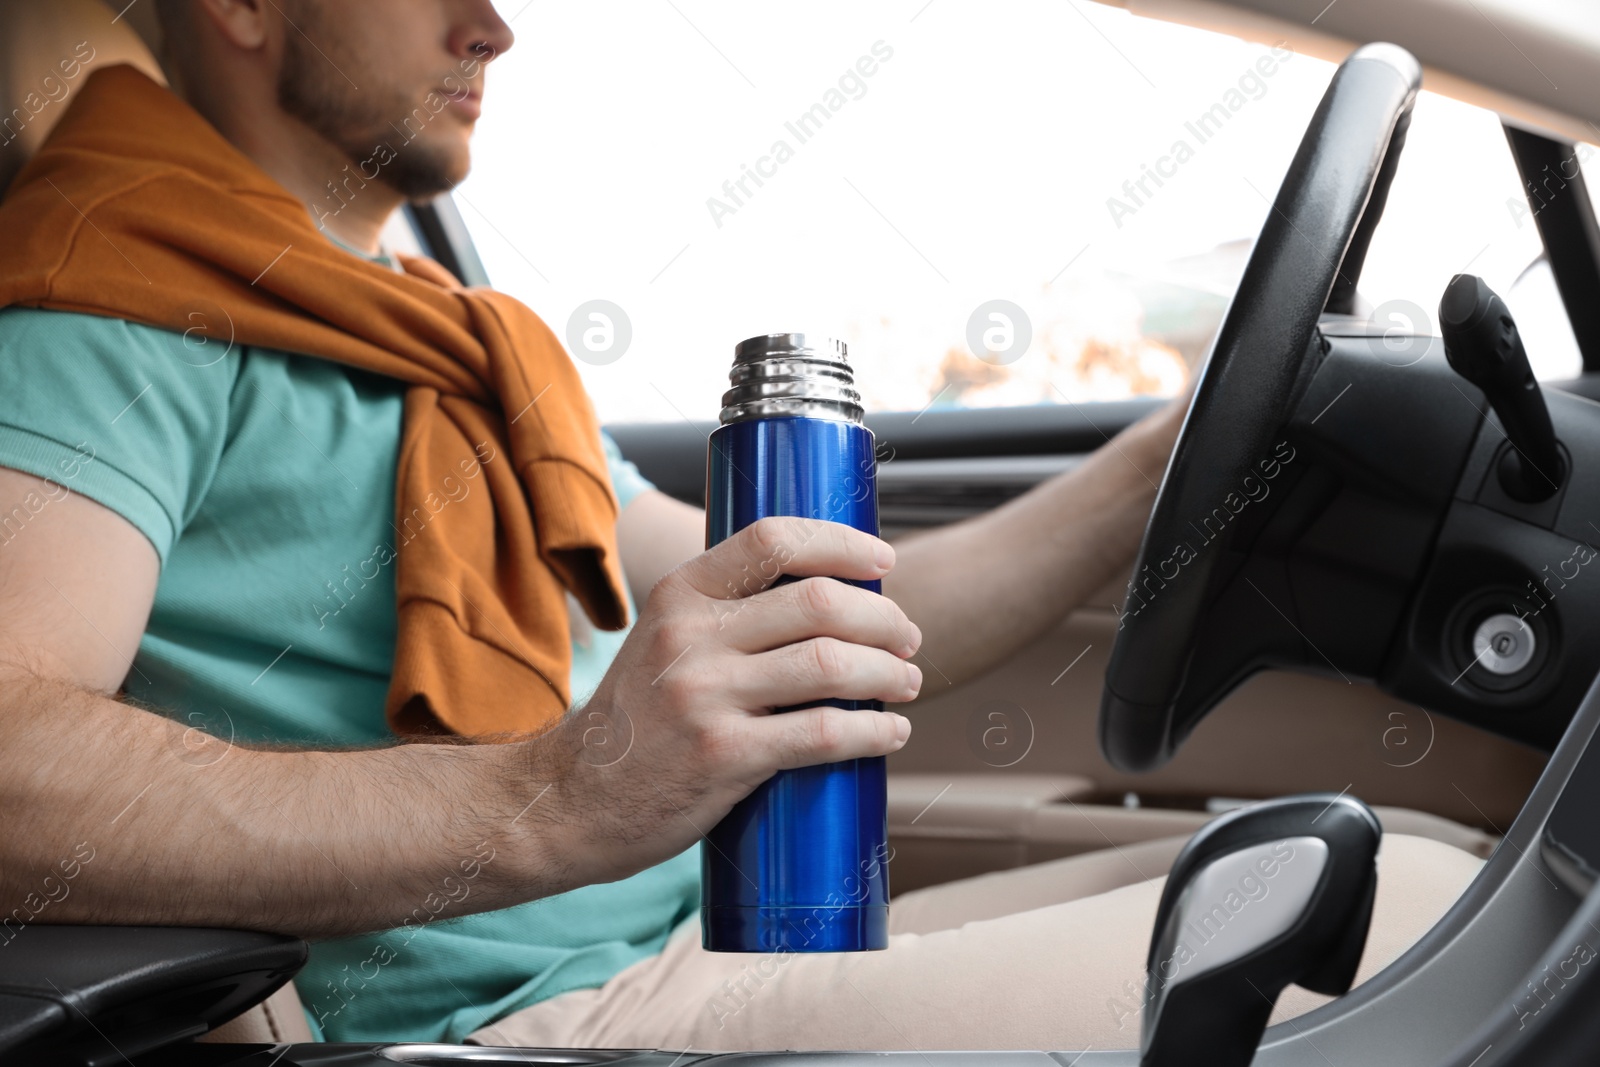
(802,863)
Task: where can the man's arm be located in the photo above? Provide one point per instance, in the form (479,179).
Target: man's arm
(312,843)
(656,533)
(984,587)
(117,822)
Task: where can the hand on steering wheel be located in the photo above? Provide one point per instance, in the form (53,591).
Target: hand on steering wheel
(1305,261)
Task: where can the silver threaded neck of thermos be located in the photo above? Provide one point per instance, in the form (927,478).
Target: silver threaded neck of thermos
(780,374)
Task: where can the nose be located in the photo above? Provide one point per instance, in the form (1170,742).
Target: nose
(479,32)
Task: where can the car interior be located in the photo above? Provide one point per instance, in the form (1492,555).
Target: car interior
(1382,626)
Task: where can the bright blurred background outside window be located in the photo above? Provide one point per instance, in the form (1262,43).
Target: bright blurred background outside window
(936,156)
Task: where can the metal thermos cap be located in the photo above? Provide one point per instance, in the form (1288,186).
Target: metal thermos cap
(780,374)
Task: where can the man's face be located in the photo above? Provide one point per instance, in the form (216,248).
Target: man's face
(403,73)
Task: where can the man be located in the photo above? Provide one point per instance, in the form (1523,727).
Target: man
(348,515)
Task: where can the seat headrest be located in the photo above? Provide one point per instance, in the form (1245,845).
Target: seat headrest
(47,48)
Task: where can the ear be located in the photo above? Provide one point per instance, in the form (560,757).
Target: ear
(242,23)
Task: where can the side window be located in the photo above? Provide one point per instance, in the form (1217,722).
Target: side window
(1035,203)
(1532,295)
(1479,221)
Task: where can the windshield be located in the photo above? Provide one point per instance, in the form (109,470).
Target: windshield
(1066,190)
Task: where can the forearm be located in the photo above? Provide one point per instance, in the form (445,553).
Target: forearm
(982,588)
(655,534)
(123,820)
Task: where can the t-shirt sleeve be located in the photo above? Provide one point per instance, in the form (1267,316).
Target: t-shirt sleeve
(625,477)
(133,417)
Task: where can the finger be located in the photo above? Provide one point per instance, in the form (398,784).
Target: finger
(821,668)
(809,736)
(817,607)
(756,556)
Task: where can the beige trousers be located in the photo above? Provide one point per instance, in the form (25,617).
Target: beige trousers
(1043,957)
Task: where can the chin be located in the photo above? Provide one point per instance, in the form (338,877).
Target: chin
(457,176)
(452,158)
(427,173)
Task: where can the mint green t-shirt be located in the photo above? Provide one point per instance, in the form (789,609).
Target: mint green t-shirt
(265,481)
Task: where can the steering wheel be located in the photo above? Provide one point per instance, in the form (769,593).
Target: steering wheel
(1306,260)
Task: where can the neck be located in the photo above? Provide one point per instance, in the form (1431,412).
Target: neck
(343,203)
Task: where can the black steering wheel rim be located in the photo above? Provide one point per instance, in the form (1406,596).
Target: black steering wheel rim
(1306,260)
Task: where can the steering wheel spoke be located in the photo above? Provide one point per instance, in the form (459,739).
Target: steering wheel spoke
(1166,670)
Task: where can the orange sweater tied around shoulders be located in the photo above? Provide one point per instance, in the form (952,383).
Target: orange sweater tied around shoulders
(137,208)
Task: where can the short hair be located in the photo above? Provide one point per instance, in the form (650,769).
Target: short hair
(171,12)
(177,21)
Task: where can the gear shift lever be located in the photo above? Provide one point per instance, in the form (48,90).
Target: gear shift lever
(1482,344)
(1273,893)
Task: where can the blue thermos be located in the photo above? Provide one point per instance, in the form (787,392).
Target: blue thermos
(802,863)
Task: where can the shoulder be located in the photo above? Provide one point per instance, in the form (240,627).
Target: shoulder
(35,340)
(134,415)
